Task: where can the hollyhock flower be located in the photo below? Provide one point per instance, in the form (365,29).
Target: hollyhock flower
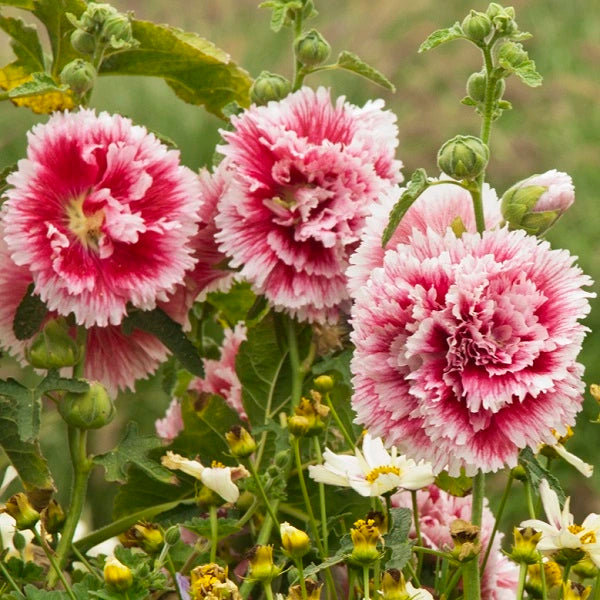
(466,347)
(372,472)
(220,376)
(168,428)
(561,533)
(437,208)
(218,477)
(102,214)
(437,510)
(303,175)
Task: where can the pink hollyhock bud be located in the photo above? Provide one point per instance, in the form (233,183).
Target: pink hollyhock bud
(536,203)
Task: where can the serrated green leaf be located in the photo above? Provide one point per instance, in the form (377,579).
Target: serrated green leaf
(234,304)
(4,173)
(28,408)
(41,83)
(26,457)
(53,381)
(25,42)
(29,316)
(170,333)
(133,449)
(401,522)
(351,62)
(456,486)
(313,569)
(521,36)
(536,472)
(528,74)
(416,186)
(441,36)
(401,554)
(197,71)
(203,527)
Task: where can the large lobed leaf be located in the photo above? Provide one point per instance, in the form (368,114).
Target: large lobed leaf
(197,71)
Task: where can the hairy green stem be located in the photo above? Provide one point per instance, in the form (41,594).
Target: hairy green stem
(322,503)
(214,533)
(529,499)
(268,590)
(55,566)
(366,591)
(471,573)
(425,550)
(300,568)
(499,513)
(84,561)
(297,371)
(338,421)
(452,583)
(262,492)
(415,507)
(522,577)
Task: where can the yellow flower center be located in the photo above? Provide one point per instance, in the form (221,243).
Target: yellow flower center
(586,538)
(215,464)
(88,228)
(372,476)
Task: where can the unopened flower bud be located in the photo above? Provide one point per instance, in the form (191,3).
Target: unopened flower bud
(79,75)
(312,48)
(294,541)
(493,10)
(552,575)
(313,591)
(511,55)
(365,537)
(519,473)
(53,347)
(524,547)
(269,86)
(19,541)
(476,86)
(21,510)
(463,157)
(466,540)
(83,42)
(476,26)
(241,443)
(595,392)
(324,383)
(262,567)
(95,15)
(585,569)
(537,202)
(575,591)
(172,535)
(54,517)
(87,410)
(394,586)
(117,575)
(308,420)
(144,535)
(116,30)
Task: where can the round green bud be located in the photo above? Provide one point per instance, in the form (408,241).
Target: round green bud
(499,89)
(513,54)
(88,410)
(172,535)
(463,157)
(116,29)
(19,541)
(477,26)
(312,48)
(117,576)
(476,86)
(269,86)
(282,459)
(53,347)
(494,9)
(95,15)
(324,383)
(83,42)
(79,75)
(240,442)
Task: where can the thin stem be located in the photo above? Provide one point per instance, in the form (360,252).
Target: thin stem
(338,421)
(322,503)
(597,588)
(55,566)
(297,371)
(298,66)
(522,577)
(452,583)
(214,533)
(376,575)
(79,368)
(171,568)
(366,591)
(413,575)
(478,497)
(424,550)
(566,571)
(505,496)
(262,492)
(529,499)
(300,568)
(82,559)
(82,466)
(471,573)
(543,578)
(10,580)
(478,207)
(415,507)
(268,590)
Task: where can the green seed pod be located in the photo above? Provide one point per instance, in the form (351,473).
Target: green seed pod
(477,26)
(312,48)
(269,86)
(79,75)
(476,86)
(172,535)
(83,42)
(53,347)
(463,157)
(88,410)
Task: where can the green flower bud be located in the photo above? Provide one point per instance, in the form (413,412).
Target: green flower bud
(83,42)
(519,473)
(241,443)
(172,535)
(324,383)
(21,510)
(53,347)
(365,538)
(117,575)
(476,86)
(463,157)
(269,86)
(312,48)
(144,535)
(494,9)
(477,26)
(116,31)
(499,89)
(95,15)
(512,53)
(87,410)
(79,75)
(262,567)
(585,569)
(54,517)
(524,549)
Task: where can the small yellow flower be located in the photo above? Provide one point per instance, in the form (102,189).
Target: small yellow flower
(262,567)
(308,417)
(575,591)
(552,573)
(524,548)
(294,541)
(117,575)
(365,537)
(241,443)
(210,582)
(144,535)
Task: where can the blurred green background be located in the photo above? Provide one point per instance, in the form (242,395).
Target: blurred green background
(555,126)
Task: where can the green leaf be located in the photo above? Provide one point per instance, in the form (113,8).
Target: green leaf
(536,472)
(24,4)
(29,316)
(133,450)
(4,173)
(170,333)
(416,186)
(401,554)
(26,457)
(197,71)
(313,569)
(351,62)
(280,8)
(401,522)
(202,527)
(234,304)
(41,83)
(521,36)
(441,36)
(456,486)
(25,42)
(528,74)
(53,382)
(28,408)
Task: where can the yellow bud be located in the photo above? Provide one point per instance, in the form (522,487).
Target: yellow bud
(241,443)
(313,591)
(294,541)
(20,509)
(144,535)
(394,586)
(575,591)
(324,383)
(117,575)
(524,548)
(595,392)
(54,517)
(365,536)
(262,567)
(308,420)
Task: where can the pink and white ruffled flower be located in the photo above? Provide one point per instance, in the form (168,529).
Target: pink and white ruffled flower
(169,427)
(437,510)
(466,347)
(101,214)
(304,174)
(437,208)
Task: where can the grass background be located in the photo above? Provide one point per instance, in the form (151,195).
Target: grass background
(555,126)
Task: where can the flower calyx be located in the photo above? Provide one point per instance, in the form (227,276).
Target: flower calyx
(467,544)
